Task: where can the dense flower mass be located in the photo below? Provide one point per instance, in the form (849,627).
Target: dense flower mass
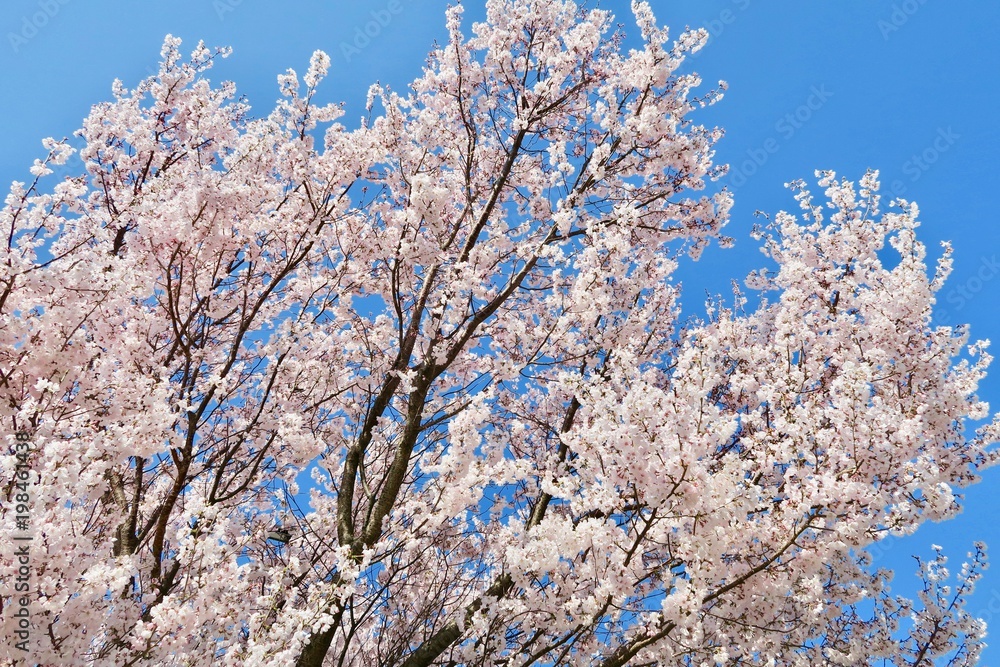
(417,393)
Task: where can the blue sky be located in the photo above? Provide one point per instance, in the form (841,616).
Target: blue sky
(907,87)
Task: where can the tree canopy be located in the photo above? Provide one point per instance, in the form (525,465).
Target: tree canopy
(278,391)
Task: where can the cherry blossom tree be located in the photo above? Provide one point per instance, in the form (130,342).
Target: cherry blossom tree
(418,393)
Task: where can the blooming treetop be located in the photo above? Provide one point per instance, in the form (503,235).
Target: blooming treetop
(437,359)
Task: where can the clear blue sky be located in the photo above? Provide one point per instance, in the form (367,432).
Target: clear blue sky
(907,87)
